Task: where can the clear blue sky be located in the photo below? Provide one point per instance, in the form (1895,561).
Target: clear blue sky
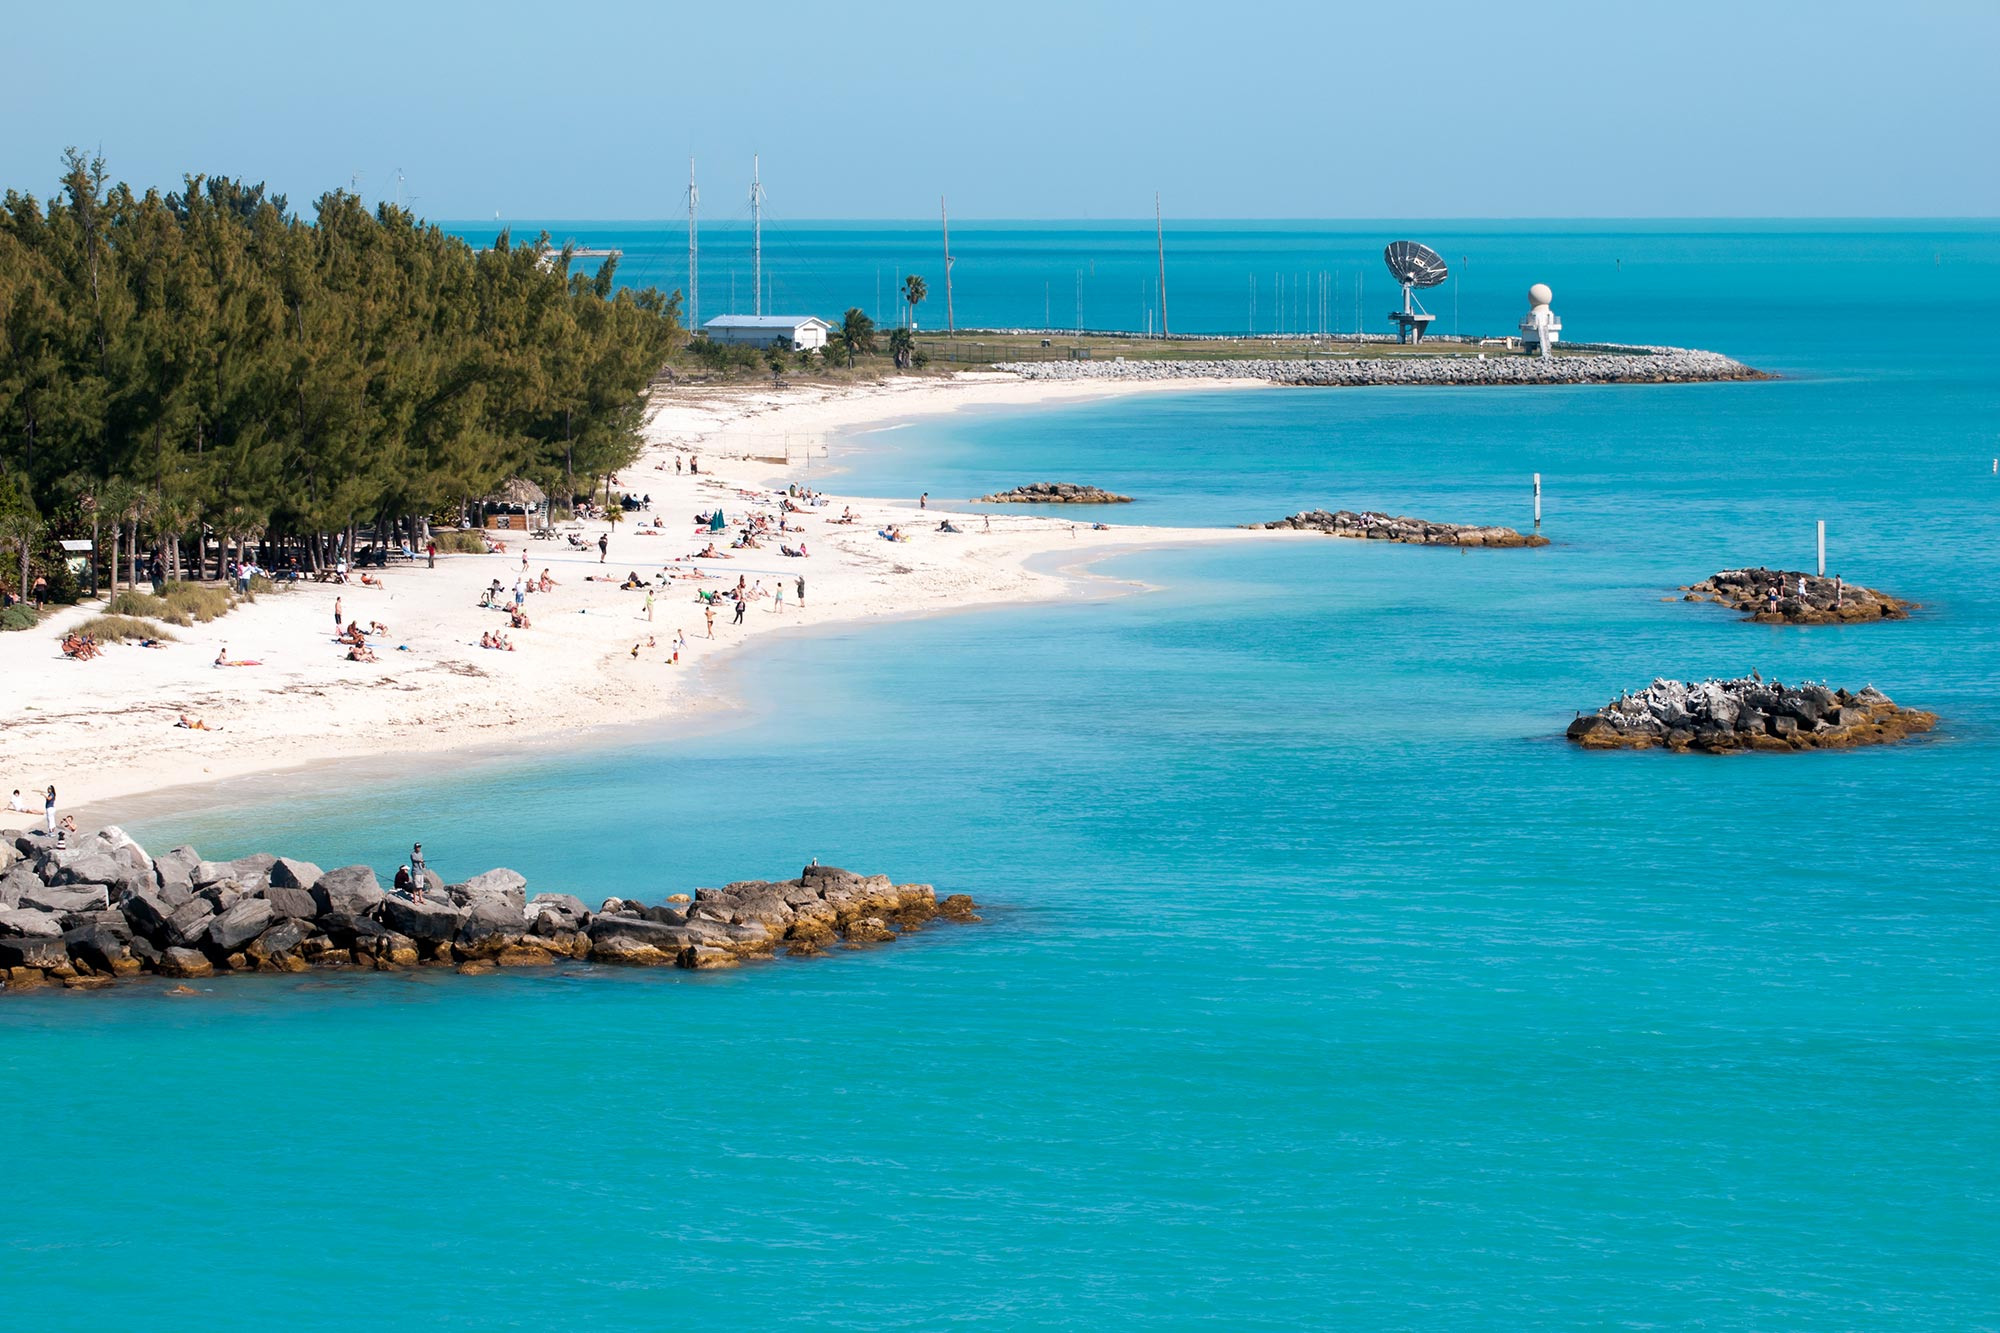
(1032,108)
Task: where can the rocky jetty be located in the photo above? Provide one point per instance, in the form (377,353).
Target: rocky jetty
(1747,714)
(1623,365)
(1055,493)
(1398,528)
(1824,601)
(101,909)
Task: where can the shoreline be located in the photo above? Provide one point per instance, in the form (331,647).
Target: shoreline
(103,732)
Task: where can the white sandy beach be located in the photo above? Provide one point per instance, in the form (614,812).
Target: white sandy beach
(104,730)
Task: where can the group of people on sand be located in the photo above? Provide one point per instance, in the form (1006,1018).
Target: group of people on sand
(493,639)
(81,647)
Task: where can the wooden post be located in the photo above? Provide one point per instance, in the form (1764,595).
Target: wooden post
(1822,548)
(1538,502)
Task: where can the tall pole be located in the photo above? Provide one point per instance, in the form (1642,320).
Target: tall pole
(694,252)
(1160,239)
(756,238)
(950,321)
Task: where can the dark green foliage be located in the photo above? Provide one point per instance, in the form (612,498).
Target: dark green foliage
(855,335)
(206,364)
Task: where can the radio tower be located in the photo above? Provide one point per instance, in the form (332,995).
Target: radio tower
(950,324)
(756,238)
(694,253)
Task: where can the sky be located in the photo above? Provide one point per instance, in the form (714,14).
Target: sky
(1027,109)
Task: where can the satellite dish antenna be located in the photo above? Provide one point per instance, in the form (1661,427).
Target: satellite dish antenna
(1413,266)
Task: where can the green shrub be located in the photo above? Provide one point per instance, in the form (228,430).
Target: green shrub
(132,602)
(118,629)
(460,543)
(203,602)
(18,616)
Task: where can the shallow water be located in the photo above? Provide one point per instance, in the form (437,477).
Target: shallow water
(1321,983)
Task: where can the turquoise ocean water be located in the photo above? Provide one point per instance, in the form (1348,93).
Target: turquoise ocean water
(1321,985)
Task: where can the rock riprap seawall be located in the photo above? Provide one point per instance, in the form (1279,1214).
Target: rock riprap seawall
(1055,493)
(101,909)
(1824,602)
(1747,714)
(1636,365)
(1399,528)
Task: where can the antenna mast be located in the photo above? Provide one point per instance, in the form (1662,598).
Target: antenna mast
(694,252)
(756,238)
(950,324)
(1160,238)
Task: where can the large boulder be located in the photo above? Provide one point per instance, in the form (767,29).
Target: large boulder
(189,923)
(18,880)
(27,921)
(102,949)
(88,898)
(285,873)
(350,891)
(185,963)
(661,935)
(175,870)
(245,921)
(296,903)
(149,914)
(626,951)
(246,872)
(503,883)
(38,951)
(427,921)
(119,874)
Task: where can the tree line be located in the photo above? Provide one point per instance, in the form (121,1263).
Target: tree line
(201,373)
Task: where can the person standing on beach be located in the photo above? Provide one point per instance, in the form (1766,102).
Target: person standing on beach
(677,465)
(777,596)
(338,623)
(708,614)
(431,550)
(49,808)
(741,607)
(649,606)
(603,546)
(802,592)
(924,500)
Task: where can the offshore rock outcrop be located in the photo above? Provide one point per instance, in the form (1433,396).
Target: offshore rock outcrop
(1748,713)
(101,909)
(1369,526)
(1625,365)
(1823,601)
(1055,493)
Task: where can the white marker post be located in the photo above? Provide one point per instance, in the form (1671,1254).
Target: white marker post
(1538,502)
(1822,548)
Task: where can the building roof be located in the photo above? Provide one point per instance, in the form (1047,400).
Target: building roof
(785,322)
(516,491)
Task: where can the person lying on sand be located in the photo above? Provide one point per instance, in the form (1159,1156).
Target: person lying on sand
(949,526)
(361,652)
(847,515)
(797,553)
(195,724)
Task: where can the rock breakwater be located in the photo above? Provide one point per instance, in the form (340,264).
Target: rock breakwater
(1633,365)
(1748,713)
(1398,528)
(101,909)
(1800,598)
(1055,493)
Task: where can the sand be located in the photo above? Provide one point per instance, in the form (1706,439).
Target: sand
(104,731)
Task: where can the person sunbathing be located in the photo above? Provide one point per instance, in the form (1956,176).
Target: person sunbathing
(361,652)
(797,554)
(545,581)
(370,581)
(195,724)
(949,526)
(519,619)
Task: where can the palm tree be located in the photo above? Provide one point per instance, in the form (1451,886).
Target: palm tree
(857,334)
(902,347)
(914,291)
(20,524)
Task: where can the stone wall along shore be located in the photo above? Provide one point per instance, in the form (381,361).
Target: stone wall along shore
(1825,601)
(1634,365)
(1748,713)
(1398,528)
(101,909)
(1055,493)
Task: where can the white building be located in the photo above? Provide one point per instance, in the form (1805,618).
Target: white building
(805,333)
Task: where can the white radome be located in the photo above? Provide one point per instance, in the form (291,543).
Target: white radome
(1539,294)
